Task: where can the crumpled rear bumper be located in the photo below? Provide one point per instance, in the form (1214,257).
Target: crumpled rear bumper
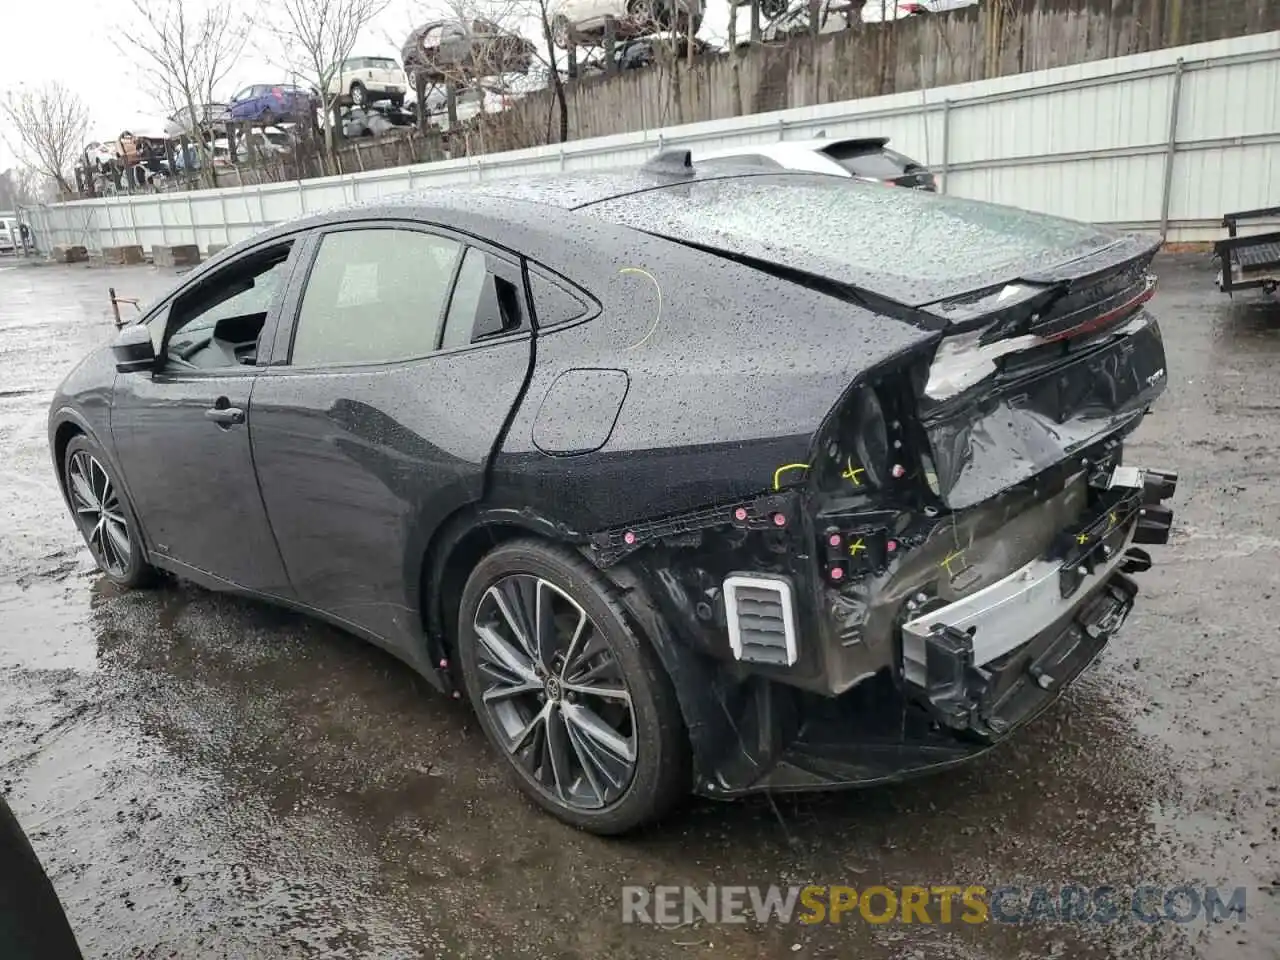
(853,741)
(973,671)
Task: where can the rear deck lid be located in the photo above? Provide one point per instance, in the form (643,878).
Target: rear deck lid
(908,246)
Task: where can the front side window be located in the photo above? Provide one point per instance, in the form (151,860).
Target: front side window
(375,295)
(157,326)
(219,322)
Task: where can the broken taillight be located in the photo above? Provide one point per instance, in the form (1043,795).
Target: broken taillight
(1110,315)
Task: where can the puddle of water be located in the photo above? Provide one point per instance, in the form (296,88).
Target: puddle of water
(47,625)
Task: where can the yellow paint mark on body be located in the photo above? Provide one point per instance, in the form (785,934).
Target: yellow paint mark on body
(851,473)
(1082,538)
(777,474)
(856,546)
(950,559)
(658,316)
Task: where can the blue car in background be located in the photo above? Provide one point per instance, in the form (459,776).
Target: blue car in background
(268,102)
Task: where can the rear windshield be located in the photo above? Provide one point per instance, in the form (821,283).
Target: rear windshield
(907,245)
(878,163)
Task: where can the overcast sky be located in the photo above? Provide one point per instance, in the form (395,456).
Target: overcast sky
(71,41)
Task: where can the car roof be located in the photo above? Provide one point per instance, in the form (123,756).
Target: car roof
(566,191)
(540,208)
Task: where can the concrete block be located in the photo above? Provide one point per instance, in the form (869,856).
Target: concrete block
(72,254)
(130,253)
(216,248)
(175,255)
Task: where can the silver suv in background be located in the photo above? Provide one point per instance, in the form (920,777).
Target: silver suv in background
(864,158)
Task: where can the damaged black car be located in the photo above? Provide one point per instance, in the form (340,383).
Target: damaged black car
(688,481)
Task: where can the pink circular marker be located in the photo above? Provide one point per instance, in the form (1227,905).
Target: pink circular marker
(837,573)
(835,540)
(899,470)
(629,537)
(741,513)
(891,546)
(779,520)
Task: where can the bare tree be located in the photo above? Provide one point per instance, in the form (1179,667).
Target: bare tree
(544,14)
(316,36)
(45,129)
(17,188)
(188,53)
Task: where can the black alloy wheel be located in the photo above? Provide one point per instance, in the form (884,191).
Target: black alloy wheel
(573,699)
(102,512)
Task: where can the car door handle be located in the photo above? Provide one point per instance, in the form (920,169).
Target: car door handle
(225,416)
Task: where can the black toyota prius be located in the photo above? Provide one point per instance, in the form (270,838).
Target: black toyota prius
(687,480)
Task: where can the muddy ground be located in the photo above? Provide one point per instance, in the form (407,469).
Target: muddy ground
(209,777)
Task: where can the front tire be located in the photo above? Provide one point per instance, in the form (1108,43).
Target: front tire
(569,694)
(358,94)
(104,515)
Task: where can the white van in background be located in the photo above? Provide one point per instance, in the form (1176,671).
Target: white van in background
(9,235)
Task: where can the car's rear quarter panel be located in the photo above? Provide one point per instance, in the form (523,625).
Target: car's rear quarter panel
(731,373)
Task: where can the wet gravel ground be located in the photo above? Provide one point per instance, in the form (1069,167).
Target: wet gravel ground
(209,777)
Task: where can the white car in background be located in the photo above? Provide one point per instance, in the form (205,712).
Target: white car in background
(860,158)
(8,235)
(472,101)
(793,18)
(880,11)
(582,21)
(361,81)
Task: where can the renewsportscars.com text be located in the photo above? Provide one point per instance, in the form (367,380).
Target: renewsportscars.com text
(935,904)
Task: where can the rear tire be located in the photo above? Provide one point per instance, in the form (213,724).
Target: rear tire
(572,698)
(359,95)
(104,515)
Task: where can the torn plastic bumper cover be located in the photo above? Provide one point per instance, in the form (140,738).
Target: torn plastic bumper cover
(971,671)
(969,662)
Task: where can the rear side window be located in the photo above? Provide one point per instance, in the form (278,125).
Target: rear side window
(552,303)
(375,295)
(485,301)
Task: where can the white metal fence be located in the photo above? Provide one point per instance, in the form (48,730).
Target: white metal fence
(1167,141)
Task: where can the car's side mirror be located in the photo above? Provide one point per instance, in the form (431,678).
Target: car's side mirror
(133,349)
